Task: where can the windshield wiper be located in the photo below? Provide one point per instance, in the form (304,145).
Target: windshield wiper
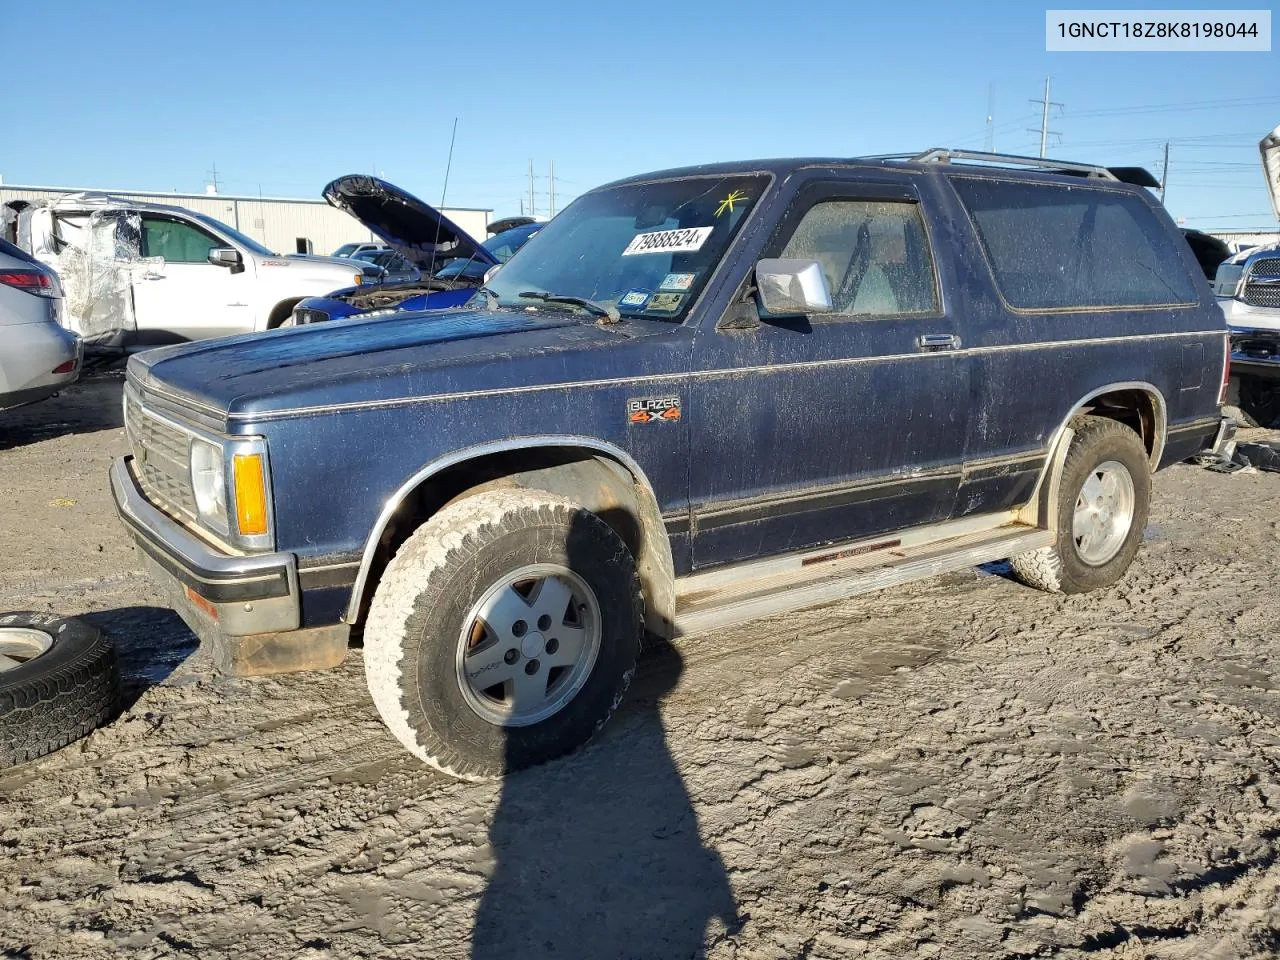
(606,310)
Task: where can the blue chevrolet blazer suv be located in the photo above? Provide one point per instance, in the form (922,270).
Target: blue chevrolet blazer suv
(696,397)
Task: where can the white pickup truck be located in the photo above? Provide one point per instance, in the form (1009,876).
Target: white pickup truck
(141,274)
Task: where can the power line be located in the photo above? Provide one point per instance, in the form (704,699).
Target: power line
(1046,103)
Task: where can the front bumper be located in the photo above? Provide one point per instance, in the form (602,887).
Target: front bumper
(240,595)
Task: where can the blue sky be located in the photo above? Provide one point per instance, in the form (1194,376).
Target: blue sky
(283,97)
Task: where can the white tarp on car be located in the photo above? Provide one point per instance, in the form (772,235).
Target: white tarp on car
(97,254)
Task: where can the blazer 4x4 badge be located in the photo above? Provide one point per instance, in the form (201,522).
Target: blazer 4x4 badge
(650,409)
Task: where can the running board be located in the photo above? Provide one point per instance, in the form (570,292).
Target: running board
(723,597)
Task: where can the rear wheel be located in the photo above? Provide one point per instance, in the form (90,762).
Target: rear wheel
(1103,498)
(503,633)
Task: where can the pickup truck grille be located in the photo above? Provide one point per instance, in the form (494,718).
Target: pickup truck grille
(1267,292)
(1262,294)
(160,451)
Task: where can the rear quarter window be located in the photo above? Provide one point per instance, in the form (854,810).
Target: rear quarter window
(1055,247)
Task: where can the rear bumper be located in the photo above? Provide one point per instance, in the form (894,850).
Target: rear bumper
(32,352)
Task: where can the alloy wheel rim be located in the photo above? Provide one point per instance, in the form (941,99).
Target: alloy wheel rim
(1103,513)
(21,645)
(528,645)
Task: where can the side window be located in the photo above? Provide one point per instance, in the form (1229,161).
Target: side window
(176,241)
(1069,247)
(873,253)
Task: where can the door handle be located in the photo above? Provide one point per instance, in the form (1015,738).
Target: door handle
(152,276)
(938,341)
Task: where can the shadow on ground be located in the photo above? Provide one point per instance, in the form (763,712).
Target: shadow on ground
(599,855)
(150,642)
(87,406)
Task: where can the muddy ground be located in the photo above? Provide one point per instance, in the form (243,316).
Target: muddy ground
(962,768)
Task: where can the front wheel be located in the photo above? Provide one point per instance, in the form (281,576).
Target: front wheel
(1103,498)
(503,633)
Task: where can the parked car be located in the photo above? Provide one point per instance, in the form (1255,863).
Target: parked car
(1248,290)
(139,274)
(38,357)
(395,268)
(694,398)
(1209,251)
(351,249)
(450,261)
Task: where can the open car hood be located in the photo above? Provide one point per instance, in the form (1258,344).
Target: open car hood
(418,231)
(1270,147)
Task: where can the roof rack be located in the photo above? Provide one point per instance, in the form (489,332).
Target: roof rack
(1135,175)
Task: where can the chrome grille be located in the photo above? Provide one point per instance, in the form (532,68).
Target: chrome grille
(1262,294)
(1266,267)
(161,457)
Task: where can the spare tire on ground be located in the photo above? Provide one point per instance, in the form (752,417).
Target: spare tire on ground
(59,680)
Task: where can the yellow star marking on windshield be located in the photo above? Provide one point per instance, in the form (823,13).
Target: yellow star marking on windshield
(727,203)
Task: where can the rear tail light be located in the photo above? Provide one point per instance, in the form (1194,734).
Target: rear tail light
(1226,369)
(67,367)
(38,282)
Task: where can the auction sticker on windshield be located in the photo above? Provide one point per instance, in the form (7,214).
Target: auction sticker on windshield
(683,240)
(677,281)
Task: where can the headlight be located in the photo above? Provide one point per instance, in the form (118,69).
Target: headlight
(209,483)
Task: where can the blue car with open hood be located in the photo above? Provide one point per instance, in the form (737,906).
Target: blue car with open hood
(450,261)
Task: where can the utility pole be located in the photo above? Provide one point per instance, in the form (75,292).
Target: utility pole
(1045,132)
(533,205)
(991,115)
(1164,174)
(551,185)
(213,175)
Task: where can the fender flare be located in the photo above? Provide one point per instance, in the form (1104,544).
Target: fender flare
(655,564)
(1041,510)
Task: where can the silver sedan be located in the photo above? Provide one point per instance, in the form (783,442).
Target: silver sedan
(38,355)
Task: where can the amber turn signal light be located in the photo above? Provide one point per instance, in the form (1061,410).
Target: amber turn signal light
(251,493)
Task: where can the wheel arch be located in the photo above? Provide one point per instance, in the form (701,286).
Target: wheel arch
(1135,403)
(280,312)
(598,475)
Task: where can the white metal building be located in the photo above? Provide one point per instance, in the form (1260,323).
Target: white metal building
(284,224)
(1244,239)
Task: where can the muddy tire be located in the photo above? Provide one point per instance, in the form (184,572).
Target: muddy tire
(503,633)
(1256,402)
(58,682)
(1103,499)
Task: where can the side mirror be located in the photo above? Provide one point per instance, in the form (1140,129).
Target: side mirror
(227,257)
(791,288)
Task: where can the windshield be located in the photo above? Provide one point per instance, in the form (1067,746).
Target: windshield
(646,248)
(346,250)
(249,243)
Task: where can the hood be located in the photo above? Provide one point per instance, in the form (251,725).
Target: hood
(418,231)
(1270,148)
(385,359)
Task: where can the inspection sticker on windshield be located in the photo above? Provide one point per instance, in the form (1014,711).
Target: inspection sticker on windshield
(634,298)
(683,240)
(665,302)
(677,281)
